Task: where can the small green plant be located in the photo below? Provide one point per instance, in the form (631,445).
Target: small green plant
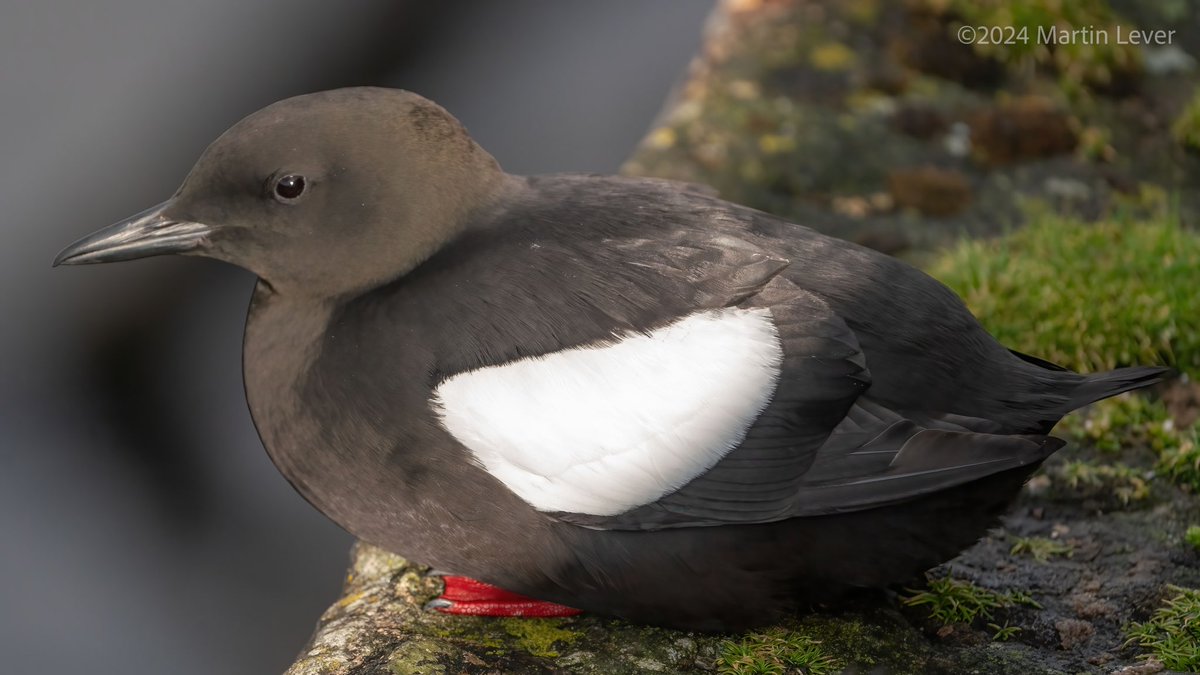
(1018,597)
(1172,634)
(1004,633)
(774,652)
(1125,482)
(1040,548)
(952,600)
(1181,462)
(1088,296)
(1192,536)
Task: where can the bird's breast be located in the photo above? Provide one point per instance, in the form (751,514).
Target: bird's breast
(281,344)
(347,420)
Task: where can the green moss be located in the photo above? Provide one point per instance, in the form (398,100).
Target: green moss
(1121,422)
(1134,420)
(952,600)
(1127,484)
(1172,634)
(774,652)
(416,656)
(484,635)
(539,636)
(1192,536)
(1186,128)
(1040,548)
(1090,296)
(1181,462)
(1082,57)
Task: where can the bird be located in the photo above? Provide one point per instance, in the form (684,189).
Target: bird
(579,392)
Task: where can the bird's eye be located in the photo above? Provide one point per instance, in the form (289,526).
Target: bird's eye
(289,187)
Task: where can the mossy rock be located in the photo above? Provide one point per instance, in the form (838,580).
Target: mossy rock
(379,626)
(1088,296)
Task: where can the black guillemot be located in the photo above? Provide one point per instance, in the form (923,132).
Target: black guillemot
(617,395)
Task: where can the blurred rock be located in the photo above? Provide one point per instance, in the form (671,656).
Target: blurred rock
(930,190)
(1029,127)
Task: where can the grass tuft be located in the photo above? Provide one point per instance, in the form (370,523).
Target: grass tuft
(1172,634)
(1004,633)
(1124,482)
(774,652)
(1089,296)
(1040,549)
(1133,420)
(951,601)
(1123,421)
(1181,462)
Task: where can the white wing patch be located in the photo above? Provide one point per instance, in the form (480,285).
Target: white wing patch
(600,430)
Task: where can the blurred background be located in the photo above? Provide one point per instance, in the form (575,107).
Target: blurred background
(144,529)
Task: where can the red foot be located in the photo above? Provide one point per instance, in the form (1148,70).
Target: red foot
(467,596)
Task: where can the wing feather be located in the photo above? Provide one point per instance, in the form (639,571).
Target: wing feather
(824,445)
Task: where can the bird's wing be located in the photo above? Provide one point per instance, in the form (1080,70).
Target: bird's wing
(748,409)
(823,445)
(608,424)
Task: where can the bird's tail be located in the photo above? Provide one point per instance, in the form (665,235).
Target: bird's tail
(1099,386)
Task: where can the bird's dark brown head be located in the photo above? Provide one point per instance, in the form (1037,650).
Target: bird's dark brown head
(324,194)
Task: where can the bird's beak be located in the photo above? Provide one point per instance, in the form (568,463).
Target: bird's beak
(148,233)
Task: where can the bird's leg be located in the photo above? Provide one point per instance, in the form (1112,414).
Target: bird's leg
(464,595)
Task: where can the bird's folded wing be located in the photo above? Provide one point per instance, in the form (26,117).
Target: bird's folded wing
(603,425)
(876,465)
(747,408)
(823,445)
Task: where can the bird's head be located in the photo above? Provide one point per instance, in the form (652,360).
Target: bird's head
(324,194)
